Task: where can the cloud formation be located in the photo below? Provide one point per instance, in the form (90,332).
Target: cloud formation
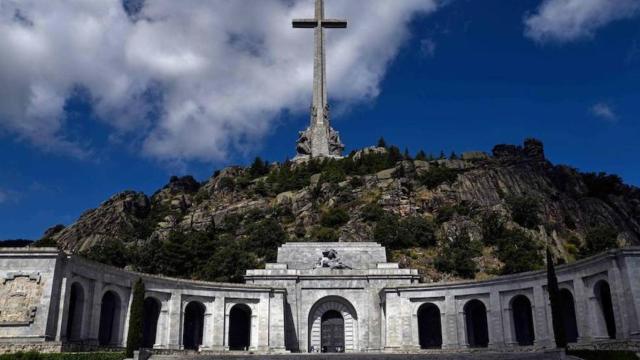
(604,111)
(185,79)
(561,21)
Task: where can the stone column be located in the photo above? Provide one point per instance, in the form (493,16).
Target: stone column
(393,321)
(175,320)
(96,301)
(494,321)
(208,326)
(61,329)
(219,324)
(539,309)
(631,285)
(507,321)
(450,338)
(618,298)
(162,330)
(406,317)
(125,305)
(582,310)
(276,322)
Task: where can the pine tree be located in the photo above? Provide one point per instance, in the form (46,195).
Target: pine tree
(134,337)
(442,155)
(382,143)
(421,155)
(453,156)
(406,155)
(554,300)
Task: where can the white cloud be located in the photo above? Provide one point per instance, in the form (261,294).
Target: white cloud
(562,21)
(428,47)
(604,111)
(224,69)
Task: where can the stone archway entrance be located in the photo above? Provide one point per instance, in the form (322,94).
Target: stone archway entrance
(476,322)
(333,326)
(151,314)
(193,326)
(76,310)
(603,296)
(109,330)
(429,326)
(240,328)
(523,320)
(332,332)
(569,316)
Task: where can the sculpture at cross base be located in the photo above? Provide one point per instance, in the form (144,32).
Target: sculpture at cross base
(319,139)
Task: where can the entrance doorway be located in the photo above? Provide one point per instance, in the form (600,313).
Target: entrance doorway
(476,321)
(240,328)
(332,332)
(429,327)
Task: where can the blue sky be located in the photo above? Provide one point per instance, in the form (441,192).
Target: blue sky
(454,76)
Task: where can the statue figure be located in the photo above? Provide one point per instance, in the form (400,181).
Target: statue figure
(331,260)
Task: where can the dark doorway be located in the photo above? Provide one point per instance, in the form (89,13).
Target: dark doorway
(567,306)
(476,320)
(332,332)
(109,319)
(429,327)
(76,309)
(150,322)
(193,326)
(523,320)
(240,328)
(603,294)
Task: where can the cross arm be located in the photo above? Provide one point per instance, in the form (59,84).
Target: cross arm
(334,24)
(305,23)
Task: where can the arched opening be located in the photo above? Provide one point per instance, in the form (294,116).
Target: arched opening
(429,327)
(150,322)
(567,306)
(193,325)
(332,332)
(76,310)
(324,314)
(475,314)
(603,295)
(109,319)
(240,328)
(522,320)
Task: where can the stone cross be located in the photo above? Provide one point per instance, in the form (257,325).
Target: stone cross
(319,139)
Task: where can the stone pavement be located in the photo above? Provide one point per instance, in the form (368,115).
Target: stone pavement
(550,355)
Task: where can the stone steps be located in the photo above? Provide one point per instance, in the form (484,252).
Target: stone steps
(548,355)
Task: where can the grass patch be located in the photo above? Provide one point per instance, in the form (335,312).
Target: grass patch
(32,355)
(603,355)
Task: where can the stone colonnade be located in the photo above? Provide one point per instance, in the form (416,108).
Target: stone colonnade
(600,300)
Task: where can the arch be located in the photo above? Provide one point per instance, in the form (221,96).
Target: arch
(240,328)
(349,315)
(602,292)
(151,315)
(110,311)
(75,313)
(429,326)
(522,320)
(332,332)
(569,322)
(475,314)
(193,325)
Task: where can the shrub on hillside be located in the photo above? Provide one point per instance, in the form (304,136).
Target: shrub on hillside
(525,211)
(456,256)
(598,239)
(334,217)
(264,237)
(518,252)
(395,233)
(323,234)
(372,212)
(437,175)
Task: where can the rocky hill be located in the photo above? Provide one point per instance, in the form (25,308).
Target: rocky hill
(474,215)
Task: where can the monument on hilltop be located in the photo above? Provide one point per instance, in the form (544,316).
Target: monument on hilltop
(319,139)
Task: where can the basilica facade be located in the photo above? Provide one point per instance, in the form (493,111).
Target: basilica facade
(317,297)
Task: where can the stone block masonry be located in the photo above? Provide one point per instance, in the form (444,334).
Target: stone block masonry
(318,297)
